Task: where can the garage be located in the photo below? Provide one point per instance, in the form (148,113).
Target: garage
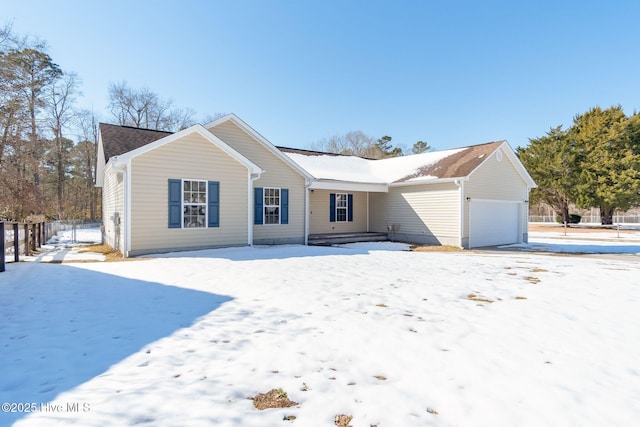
(494,222)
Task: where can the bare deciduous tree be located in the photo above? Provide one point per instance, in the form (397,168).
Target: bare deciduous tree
(145,109)
(60,98)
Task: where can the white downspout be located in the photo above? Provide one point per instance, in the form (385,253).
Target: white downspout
(460,184)
(250,209)
(127,209)
(307,196)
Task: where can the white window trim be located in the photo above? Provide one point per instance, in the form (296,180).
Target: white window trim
(206,204)
(345,207)
(265,206)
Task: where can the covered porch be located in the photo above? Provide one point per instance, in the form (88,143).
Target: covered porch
(338,212)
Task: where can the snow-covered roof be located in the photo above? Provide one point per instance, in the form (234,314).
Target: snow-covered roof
(454,163)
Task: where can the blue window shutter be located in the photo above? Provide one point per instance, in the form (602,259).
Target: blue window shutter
(258,205)
(175,203)
(284,206)
(332,207)
(350,207)
(213,204)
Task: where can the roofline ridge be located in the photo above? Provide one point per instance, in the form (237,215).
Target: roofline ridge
(136,128)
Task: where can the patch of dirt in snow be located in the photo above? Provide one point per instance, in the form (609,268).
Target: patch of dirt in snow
(343,420)
(274,398)
(474,297)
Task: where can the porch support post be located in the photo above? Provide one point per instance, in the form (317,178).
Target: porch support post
(307,196)
(368,212)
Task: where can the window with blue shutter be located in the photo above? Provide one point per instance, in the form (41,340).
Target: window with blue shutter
(271,206)
(175,203)
(194,203)
(213,204)
(332,207)
(258,204)
(350,208)
(284,206)
(340,207)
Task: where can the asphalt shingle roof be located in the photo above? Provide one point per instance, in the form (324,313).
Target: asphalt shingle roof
(117,140)
(457,165)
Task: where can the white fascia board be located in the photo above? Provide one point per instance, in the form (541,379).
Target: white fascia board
(261,139)
(199,129)
(349,186)
(100,162)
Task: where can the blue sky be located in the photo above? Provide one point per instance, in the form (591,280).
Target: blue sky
(450,73)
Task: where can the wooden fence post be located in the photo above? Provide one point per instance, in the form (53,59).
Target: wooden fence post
(16,242)
(33,237)
(1,246)
(26,239)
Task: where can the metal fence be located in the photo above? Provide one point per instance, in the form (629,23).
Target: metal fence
(75,224)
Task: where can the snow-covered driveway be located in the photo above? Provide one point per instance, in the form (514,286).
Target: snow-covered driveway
(391,337)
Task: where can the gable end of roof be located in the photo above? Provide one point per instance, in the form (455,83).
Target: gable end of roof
(457,165)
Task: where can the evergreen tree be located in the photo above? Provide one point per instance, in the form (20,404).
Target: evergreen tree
(610,160)
(387,149)
(420,147)
(553,161)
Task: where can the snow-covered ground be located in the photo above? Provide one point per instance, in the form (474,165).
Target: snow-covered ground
(65,244)
(388,336)
(582,241)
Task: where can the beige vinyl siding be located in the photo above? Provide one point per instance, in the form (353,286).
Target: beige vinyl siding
(191,157)
(319,213)
(426,213)
(496,180)
(112,202)
(277,174)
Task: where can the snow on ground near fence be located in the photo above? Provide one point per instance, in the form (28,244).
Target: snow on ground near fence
(583,241)
(391,337)
(63,247)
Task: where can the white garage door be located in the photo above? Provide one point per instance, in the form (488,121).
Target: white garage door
(493,223)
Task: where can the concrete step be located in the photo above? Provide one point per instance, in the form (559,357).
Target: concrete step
(339,238)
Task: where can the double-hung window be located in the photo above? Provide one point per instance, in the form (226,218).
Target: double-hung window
(272,205)
(342,207)
(194,205)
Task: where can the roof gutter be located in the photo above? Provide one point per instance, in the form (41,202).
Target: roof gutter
(429,181)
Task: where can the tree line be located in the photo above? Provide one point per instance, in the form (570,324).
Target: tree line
(48,141)
(357,143)
(593,163)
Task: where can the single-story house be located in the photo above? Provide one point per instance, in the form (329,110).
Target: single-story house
(224,184)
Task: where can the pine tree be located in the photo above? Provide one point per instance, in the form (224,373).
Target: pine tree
(610,160)
(552,161)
